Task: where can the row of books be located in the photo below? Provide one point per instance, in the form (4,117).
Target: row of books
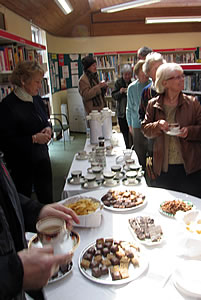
(11,55)
(4,91)
(180,58)
(193,82)
(107,61)
(107,76)
(45,87)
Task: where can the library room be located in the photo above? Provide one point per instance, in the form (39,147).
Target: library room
(100,149)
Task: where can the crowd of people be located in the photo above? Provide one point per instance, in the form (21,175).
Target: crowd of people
(146,108)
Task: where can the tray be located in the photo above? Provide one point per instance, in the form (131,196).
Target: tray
(172,215)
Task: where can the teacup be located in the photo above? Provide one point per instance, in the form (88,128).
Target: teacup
(52,231)
(174,127)
(117,170)
(129,162)
(109,177)
(91,180)
(76,175)
(97,171)
(131,176)
(82,154)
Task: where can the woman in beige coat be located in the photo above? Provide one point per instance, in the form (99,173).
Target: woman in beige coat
(91,90)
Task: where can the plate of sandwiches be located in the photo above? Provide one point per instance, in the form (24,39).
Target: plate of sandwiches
(125,200)
(112,262)
(145,230)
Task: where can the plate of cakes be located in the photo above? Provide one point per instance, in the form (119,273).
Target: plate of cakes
(112,262)
(145,230)
(125,200)
(171,207)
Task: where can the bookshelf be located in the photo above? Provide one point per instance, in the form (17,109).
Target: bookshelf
(14,49)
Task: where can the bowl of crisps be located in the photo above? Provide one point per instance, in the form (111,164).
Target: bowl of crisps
(88,210)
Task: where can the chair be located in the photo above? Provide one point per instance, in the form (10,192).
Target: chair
(59,126)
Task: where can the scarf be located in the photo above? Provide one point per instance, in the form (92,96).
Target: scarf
(93,81)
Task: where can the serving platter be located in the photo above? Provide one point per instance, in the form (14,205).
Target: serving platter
(134,272)
(146,241)
(170,214)
(126,209)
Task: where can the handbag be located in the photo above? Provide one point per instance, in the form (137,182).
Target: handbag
(150,176)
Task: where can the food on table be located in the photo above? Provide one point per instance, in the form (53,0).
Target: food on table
(84,206)
(194,226)
(173,206)
(145,228)
(113,261)
(122,199)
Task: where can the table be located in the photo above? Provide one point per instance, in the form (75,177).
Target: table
(71,190)
(152,284)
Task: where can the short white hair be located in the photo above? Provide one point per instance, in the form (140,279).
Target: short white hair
(150,59)
(126,68)
(164,72)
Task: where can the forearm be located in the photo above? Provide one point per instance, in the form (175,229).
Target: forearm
(31,210)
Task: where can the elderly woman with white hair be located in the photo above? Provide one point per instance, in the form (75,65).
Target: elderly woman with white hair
(176,154)
(120,95)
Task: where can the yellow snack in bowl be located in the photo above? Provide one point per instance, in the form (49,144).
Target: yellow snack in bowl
(83,206)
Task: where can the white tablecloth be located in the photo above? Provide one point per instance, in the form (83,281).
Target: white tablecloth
(161,258)
(71,190)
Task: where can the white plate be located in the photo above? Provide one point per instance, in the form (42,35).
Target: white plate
(71,181)
(126,209)
(74,241)
(173,133)
(186,277)
(61,275)
(171,215)
(146,242)
(134,273)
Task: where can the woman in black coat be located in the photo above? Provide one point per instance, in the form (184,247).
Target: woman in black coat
(25,132)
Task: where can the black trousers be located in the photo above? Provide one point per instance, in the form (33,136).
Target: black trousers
(124,130)
(35,171)
(177,180)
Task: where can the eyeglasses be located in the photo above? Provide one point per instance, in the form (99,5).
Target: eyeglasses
(176,77)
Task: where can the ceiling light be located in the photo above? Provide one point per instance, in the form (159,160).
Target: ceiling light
(172,20)
(127,5)
(65,6)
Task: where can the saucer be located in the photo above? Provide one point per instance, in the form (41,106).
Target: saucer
(68,245)
(127,183)
(81,157)
(173,133)
(71,181)
(115,182)
(95,186)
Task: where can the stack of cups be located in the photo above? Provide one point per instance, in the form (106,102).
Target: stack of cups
(100,156)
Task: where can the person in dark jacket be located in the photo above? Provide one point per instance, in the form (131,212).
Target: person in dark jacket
(25,132)
(22,269)
(120,95)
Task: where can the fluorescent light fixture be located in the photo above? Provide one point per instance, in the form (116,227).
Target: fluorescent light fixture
(127,5)
(65,6)
(172,20)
